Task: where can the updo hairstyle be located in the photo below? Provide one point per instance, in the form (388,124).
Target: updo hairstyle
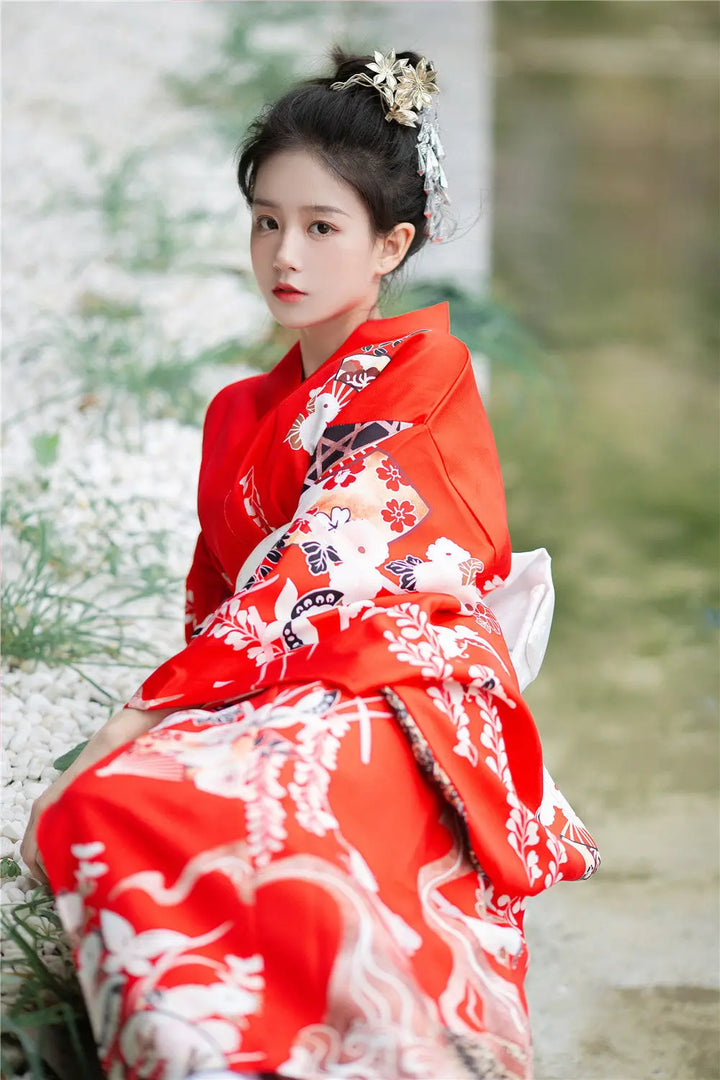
(347,130)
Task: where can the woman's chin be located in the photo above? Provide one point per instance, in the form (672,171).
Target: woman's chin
(290,316)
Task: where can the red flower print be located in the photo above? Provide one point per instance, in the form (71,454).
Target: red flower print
(399,515)
(390,474)
(347,474)
(300,525)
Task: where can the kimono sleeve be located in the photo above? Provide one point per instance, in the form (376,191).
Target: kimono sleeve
(205,587)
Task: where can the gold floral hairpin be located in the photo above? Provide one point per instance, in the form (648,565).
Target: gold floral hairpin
(406,92)
(405,89)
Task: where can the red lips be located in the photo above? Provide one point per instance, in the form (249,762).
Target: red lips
(283,286)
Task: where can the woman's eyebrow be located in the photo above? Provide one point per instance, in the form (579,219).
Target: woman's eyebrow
(317,208)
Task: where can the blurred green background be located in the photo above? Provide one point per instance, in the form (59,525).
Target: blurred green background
(605,244)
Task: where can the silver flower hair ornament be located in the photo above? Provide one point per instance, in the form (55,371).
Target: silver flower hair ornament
(406,92)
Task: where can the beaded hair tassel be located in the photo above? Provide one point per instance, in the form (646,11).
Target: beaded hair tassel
(406,92)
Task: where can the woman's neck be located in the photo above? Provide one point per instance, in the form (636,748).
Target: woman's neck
(319,342)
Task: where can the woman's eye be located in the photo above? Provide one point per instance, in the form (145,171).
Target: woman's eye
(264,222)
(324,228)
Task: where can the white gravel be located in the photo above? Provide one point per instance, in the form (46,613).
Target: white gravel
(83,93)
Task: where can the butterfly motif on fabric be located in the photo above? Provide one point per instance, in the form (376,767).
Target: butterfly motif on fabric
(318,550)
(404,569)
(319,556)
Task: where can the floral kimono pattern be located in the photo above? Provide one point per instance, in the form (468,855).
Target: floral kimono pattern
(317,865)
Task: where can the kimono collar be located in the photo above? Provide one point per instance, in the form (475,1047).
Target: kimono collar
(373,331)
(288,372)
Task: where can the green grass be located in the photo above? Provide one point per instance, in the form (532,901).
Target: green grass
(45,1023)
(65,607)
(123,368)
(42,619)
(141,233)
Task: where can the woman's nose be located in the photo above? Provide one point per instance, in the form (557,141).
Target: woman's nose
(287,253)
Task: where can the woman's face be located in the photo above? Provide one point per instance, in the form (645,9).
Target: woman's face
(312,231)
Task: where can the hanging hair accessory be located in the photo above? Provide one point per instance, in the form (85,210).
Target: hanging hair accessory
(406,92)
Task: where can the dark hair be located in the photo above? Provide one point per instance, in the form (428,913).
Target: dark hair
(348,132)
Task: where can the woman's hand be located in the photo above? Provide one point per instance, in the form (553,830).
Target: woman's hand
(124,726)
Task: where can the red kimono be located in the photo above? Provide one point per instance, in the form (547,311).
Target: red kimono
(317,867)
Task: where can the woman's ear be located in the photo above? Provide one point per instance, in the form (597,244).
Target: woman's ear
(392,247)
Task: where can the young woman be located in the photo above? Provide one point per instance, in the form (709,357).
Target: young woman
(304,847)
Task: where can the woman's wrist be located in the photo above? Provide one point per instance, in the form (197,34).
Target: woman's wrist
(121,728)
(129,722)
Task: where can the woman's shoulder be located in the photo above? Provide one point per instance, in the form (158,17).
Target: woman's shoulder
(451,353)
(434,363)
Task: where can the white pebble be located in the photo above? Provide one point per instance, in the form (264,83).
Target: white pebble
(11,894)
(13,829)
(34,789)
(18,739)
(37,703)
(22,761)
